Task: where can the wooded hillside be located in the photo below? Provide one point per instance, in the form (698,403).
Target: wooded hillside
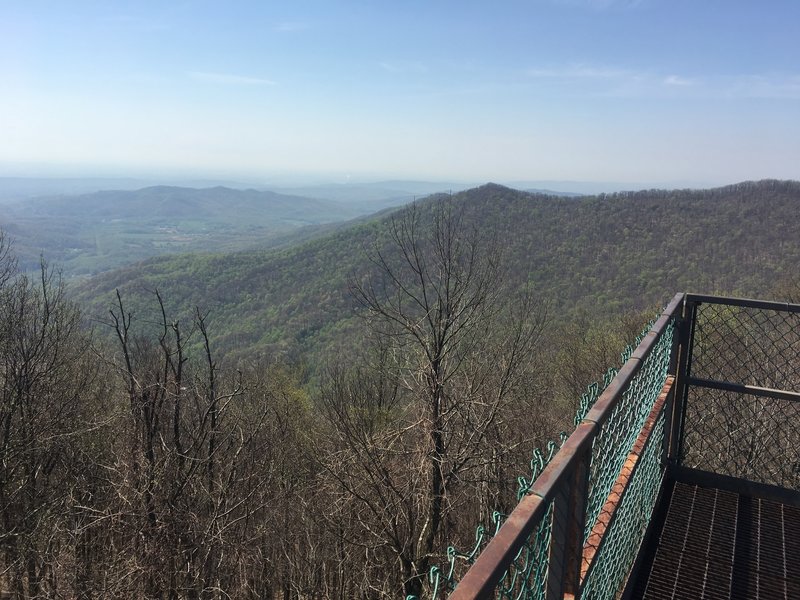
(599,255)
(383,390)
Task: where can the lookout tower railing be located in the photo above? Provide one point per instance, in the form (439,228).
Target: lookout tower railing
(710,395)
(740,405)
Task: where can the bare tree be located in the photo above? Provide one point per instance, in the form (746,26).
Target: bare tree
(44,381)
(189,479)
(164,477)
(422,420)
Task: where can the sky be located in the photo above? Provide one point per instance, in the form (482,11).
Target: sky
(659,92)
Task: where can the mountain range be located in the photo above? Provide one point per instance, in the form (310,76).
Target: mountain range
(89,233)
(598,255)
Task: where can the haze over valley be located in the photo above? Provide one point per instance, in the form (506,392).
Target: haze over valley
(94,232)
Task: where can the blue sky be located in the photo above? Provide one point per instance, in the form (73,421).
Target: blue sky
(649,91)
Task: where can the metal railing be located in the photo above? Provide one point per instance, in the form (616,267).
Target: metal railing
(740,406)
(710,391)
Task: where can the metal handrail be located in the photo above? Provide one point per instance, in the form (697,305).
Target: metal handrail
(573,560)
(746,335)
(568,468)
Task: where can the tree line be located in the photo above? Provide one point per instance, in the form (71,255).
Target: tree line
(595,255)
(136,465)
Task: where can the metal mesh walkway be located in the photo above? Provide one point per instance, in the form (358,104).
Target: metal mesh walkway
(716,544)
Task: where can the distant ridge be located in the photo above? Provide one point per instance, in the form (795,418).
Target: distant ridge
(553,193)
(89,233)
(597,254)
(179,202)
(20,188)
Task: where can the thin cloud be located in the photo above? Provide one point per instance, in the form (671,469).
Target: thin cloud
(614,81)
(759,86)
(677,81)
(765,86)
(583,71)
(291,26)
(228,79)
(601,4)
(403,67)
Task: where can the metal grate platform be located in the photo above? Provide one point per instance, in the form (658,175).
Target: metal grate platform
(717,544)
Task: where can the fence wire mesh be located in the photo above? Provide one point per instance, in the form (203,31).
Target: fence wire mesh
(612,562)
(526,578)
(619,432)
(747,345)
(744,435)
(740,434)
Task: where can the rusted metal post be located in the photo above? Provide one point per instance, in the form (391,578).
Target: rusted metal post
(678,353)
(685,336)
(569,518)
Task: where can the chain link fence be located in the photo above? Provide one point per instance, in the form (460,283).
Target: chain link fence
(742,402)
(587,503)
(571,496)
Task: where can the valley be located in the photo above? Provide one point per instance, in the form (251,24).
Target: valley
(599,256)
(352,380)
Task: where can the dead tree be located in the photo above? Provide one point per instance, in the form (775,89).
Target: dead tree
(420,419)
(44,381)
(188,468)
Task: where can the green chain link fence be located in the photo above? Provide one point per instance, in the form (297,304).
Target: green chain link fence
(526,578)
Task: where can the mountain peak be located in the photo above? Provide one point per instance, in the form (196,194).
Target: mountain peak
(494,187)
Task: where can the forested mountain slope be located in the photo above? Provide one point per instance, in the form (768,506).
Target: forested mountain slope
(95,232)
(601,254)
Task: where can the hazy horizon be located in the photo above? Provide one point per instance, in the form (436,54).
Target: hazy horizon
(28,185)
(653,93)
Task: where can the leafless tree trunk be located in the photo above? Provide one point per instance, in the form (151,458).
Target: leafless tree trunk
(43,384)
(421,418)
(210,468)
